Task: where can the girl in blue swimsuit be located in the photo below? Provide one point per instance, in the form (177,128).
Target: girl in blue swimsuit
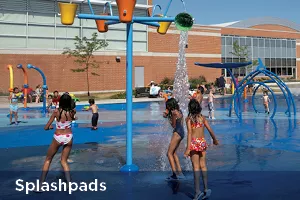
(175,116)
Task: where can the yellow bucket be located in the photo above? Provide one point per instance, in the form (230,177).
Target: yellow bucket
(68,13)
(164,26)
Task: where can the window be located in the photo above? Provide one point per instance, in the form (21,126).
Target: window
(278,43)
(278,62)
(243,41)
(267,43)
(268,62)
(273,62)
(272,43)
(261,43)
(284,62)
(248,42)
(255,42)
(278,71)
(223,60)
(293,62)
(290,71)
(289,44)
(228,40)
(294,44)
(284,71)
(229,60)
(273,70)
(235,60)
(236,40)
(223,41)
(283,43)
(289,62)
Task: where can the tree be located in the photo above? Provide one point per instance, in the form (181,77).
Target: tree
(83,54)
(242,53)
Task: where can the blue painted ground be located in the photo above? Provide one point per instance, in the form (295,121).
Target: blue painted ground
(258,158)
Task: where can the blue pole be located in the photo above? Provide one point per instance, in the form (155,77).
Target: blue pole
(129,167)
(169,4)
(148,23)
(29,66)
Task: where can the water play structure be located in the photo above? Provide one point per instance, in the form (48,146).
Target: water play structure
(249,80)
(45,87)
(11,78)
(183,21)
(25,86)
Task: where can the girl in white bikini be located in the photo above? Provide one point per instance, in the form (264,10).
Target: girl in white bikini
(65,114)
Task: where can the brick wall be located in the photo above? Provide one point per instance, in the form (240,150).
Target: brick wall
(57,68)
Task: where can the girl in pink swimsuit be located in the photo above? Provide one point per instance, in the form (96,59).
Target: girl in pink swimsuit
(197,145)
(62,137)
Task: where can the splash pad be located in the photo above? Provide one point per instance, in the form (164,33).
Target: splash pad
(249,80)
(126,10)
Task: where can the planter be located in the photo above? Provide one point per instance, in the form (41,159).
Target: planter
(68,13)
(101,26)
(164,26)
(126,8)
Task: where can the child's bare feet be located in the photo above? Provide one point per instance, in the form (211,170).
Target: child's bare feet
(70,161)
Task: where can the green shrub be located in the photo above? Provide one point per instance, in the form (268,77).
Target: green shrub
(167,81)
(197,81)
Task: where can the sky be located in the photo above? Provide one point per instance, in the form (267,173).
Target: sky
(208,12)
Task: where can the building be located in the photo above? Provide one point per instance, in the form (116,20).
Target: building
(31,32)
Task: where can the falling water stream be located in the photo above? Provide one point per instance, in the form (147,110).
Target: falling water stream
(181,94)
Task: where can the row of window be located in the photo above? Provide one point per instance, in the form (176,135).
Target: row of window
(282,71)
(269,62)
(258,42)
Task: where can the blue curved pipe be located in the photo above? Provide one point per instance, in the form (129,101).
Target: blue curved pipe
(253,97)
(265,72)
(90,6)
(169,4)
(273,95)
(29,66)
(154,8)
(288,91)
(236,91)
(110,8)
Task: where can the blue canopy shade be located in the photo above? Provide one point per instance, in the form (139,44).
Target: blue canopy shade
(223,65)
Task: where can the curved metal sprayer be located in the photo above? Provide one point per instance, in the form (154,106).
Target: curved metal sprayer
(154,8)
(110,8)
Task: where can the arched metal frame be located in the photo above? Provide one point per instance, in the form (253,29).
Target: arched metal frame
(45,87)
(274,79)
(261,69)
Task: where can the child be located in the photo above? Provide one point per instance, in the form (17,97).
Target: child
(62,137)
(197,145)
(175,116)
(49,103)
(56,98)
(95,113)
(211,105)
(13,107)
(266,101)
(199,94)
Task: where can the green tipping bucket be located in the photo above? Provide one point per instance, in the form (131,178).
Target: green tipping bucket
(184,21)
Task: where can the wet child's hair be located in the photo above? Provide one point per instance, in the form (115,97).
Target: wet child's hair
(66,103)
(50,96)
(55,92)
(201,89)
(194,108)
(91,101)
(171,104)
(265,93)
(15,88)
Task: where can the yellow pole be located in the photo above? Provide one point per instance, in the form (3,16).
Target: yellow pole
(232,88)
(11,78)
